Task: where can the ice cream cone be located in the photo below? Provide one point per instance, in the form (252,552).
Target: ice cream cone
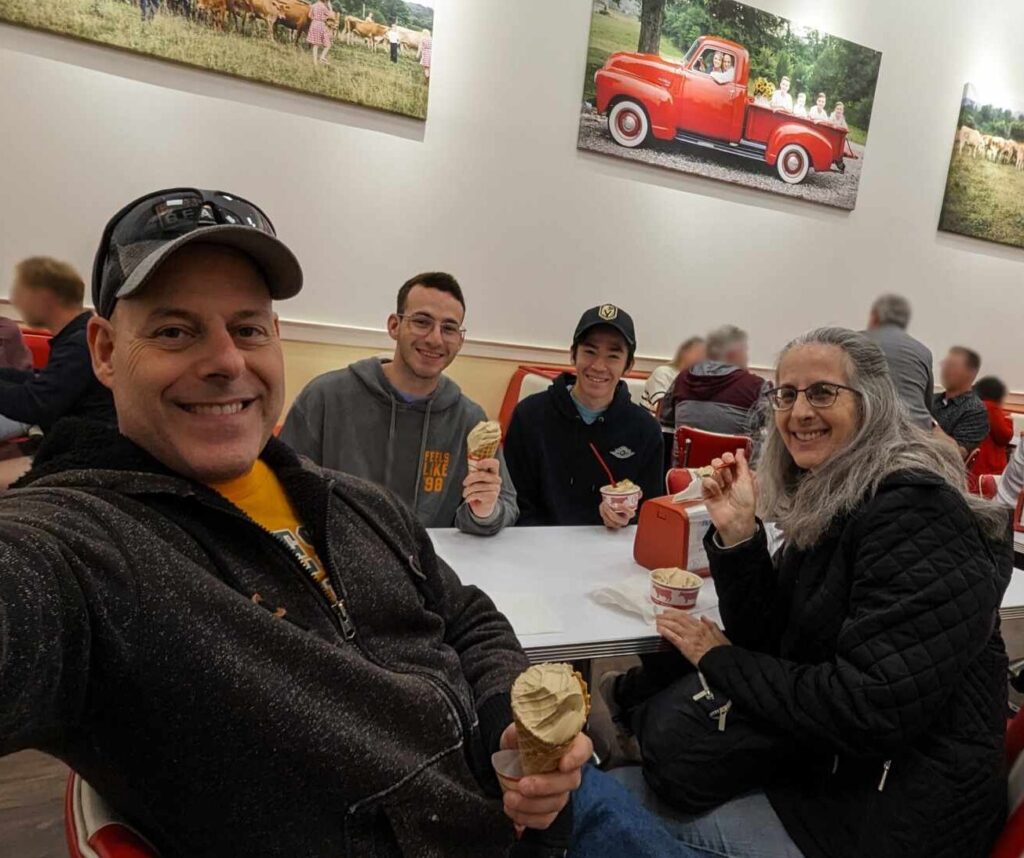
(483,440)
(540,755)
(486,451)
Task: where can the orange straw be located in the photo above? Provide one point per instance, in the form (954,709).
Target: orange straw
(607,470)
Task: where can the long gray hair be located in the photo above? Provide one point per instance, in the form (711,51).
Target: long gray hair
(803,503)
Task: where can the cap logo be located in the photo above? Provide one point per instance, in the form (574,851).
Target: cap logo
(608,312)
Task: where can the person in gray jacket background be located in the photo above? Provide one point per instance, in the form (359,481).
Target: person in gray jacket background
(910,362)
(402,423)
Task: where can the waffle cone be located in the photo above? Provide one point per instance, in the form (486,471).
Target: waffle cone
(539,757)
(485,451)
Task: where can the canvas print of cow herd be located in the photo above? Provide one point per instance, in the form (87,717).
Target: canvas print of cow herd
(375,53)
(985,185)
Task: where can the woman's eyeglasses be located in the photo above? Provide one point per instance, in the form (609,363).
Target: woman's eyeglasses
(821,394)
(423,326)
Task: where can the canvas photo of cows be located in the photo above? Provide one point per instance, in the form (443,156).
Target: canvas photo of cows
(375,53)
(731,92)
(985,185)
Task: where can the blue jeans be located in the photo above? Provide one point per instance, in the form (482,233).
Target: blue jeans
(610,822)
(746,827)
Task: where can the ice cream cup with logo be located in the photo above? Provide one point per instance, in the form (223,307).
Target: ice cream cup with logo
(675,588)
(623,496)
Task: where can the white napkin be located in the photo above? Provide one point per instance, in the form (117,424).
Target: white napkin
(692,492)
(633,594)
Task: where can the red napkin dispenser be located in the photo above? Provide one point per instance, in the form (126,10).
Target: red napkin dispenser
(671,535)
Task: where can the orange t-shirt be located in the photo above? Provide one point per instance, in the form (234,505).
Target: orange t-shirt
(260,495)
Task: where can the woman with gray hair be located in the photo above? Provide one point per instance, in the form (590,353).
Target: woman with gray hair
(868,649)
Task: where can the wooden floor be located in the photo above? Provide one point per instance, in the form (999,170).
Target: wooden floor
(32,784)
(32,806)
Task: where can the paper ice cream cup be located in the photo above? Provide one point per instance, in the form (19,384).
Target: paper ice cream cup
(682,598)
(621,500)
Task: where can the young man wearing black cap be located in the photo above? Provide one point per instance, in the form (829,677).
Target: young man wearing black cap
(565,443)
(243,653)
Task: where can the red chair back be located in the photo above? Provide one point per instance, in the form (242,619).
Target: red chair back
(697,448)
(677,479)
(987,486)
(38,342)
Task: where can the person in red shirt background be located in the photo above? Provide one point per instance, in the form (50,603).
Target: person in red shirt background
(992,454)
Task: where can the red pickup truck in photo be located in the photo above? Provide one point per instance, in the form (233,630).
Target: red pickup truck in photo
(645,96)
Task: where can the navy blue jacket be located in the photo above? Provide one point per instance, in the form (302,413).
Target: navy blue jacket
(66,387)
(557,477)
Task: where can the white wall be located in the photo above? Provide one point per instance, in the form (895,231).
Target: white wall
(493,188)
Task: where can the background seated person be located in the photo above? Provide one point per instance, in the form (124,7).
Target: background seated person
(720,394)
(48,294)
(14,354)
(959,412)
(800,108)
(402,423)
(1012,483)
(728,72)
(558,439)
(992,453)
(867,655)
(781,98)
(817,110)
(663,379)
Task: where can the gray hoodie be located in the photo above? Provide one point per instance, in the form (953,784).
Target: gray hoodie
(352,420)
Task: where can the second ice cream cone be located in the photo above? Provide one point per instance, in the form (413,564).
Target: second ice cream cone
(550,705)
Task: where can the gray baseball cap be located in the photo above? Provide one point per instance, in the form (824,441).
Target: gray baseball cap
(148,230)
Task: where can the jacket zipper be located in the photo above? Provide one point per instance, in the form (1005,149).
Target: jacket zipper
(885,774)
(336,613)
(465,727)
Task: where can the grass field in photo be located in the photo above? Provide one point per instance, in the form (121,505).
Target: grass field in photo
(984,200)
(355,74)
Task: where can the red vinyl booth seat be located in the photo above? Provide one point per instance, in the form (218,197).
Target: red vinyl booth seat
(38,343)
(94,830)
(1011,841)
(697,448)
(514,391)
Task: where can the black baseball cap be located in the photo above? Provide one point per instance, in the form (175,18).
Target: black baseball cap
(611,316)
(146,231)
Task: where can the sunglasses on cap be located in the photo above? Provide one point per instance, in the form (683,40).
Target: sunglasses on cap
(139,236)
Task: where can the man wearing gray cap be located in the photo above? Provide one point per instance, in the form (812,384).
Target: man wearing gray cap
(245,654)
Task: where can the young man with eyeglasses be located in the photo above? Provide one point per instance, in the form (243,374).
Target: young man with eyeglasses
(402,423)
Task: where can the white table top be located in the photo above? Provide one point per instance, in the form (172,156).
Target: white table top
(541,578)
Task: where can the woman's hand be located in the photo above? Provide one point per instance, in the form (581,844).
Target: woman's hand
(730,495)
(693,638)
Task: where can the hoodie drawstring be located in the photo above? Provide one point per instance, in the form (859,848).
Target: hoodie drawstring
(423,449)
(389,459)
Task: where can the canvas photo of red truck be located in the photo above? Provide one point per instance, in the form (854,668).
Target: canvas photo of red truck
(730,92)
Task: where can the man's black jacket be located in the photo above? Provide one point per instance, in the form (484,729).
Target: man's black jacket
(176,655)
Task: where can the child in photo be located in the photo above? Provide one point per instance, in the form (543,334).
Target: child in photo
(818,111)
